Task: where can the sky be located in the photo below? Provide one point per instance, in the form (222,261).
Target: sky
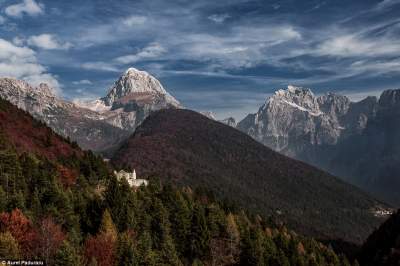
(220,56)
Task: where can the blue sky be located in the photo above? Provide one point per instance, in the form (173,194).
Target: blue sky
(220,56)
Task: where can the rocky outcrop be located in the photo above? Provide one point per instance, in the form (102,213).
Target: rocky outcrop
(230,121)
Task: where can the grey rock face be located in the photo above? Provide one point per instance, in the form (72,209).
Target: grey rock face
(357,141)
(294,121)
(98,125)
(131,99)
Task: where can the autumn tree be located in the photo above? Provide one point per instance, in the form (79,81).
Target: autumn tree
(233,236)
(20,228)
(107,226)
(8,246)
(50,239)
(100,249)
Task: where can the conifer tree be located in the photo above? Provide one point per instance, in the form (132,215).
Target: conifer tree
(107,225)
(126,251)
(67,256)
(200,236)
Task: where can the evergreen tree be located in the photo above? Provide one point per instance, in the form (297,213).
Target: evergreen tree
(67,256)
(200,236)
(146,255)
(180,216)
(126,251)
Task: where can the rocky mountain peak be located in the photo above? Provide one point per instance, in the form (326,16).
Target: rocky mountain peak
(134,81)
(296,97)
(230,121)
(390,98)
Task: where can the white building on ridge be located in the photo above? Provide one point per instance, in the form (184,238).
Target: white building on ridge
(131,178)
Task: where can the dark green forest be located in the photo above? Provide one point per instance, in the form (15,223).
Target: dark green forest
(94,219)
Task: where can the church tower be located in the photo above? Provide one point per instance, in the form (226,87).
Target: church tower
(134,174)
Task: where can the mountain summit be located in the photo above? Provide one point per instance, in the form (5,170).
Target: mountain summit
(135,83)
(294,121)
(97,125)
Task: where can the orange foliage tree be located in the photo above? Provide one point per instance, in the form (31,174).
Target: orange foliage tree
(21,229)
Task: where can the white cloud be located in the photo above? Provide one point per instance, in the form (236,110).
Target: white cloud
(29,7)
(100,66)
(387,3)
(21,63)
(243,47)
(219,18)
(82,82)
(154,50)
(352,45)
(48,42)
(134,21)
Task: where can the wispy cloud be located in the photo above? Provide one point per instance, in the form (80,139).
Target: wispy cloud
(387,3)
(100,66)
(153,50)
(219,18)
(28,7)
(134,21)
(82,82)
(351,45)
(48,42)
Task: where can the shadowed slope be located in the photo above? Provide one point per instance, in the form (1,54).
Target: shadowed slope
(188,148)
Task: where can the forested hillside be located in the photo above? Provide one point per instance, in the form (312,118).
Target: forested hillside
(187,148)
(383,246)
(61,205)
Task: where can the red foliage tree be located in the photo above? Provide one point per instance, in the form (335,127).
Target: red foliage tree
(21,229)
(101,248)
(49,240)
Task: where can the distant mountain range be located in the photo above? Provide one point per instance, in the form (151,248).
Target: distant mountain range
(54,192)
(98,125)
(358,141)
(188,148)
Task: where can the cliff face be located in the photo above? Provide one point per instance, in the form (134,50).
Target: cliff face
(294,121)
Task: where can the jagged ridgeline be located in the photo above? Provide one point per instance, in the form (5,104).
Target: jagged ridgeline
(62,205)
